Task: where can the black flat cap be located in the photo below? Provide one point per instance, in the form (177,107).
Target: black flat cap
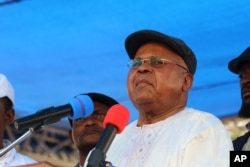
(137,39)
(100,98)
(235,64)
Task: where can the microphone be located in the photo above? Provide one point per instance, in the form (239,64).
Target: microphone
(114,122)
(79,106)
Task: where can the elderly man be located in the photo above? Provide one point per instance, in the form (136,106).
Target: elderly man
(166,133)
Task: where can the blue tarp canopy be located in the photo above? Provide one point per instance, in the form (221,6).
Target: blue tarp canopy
(52,50)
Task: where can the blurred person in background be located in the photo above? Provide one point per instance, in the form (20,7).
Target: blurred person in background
(241,66)
(85,132)
(7,112)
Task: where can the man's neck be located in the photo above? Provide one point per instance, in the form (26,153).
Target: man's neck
(82,159)
(1,144)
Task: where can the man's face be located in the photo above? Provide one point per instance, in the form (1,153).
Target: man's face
(86,132)
(2,112)
(244,75)
(6,118)
(160,86)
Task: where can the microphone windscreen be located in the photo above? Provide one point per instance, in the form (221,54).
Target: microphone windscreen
(82,106)
(118,115)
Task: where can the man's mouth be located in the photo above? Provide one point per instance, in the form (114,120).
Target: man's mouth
(142,82)
(245,93)
(91,131)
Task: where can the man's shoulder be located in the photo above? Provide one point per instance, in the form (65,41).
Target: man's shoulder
(199,114)
(239,142)
(25,158)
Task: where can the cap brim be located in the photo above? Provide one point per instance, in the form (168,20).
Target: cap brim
(134,41)
(137,39)
(100,98)
(234,64)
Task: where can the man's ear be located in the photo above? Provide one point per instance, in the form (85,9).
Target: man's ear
(9,117)
(188,81)
(70,136)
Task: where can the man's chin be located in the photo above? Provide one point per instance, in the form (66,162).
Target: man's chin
(93,137)
(247,101)
(247,106)
(86,147)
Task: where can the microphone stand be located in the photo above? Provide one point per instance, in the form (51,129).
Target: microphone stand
(98,155)
(97,159)
(19,140)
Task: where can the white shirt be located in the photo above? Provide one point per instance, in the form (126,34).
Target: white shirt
(13,158)
(190,138)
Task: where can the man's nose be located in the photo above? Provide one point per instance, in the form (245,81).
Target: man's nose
(89,121)
(144,68)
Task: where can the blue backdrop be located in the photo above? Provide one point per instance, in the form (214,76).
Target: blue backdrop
(52,50)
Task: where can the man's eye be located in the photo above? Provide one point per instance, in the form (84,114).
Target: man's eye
(100,115)
(137,63)
(79,119)
(157,62)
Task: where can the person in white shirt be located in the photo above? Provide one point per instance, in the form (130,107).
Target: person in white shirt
(7,96)
(167,133)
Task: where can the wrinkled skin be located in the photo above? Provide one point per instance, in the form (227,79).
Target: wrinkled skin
(159,92)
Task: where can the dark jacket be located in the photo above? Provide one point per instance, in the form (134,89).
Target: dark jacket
(77,165)
(239,142)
